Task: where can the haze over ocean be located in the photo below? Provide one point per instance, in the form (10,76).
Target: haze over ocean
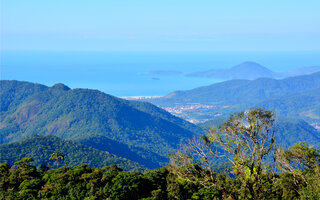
(128,73)
(112,45)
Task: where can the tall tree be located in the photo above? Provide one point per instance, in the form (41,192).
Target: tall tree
(57,156)
(245,139)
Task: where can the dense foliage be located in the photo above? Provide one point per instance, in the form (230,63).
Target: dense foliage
(40,148)
(24,181)
(146,132)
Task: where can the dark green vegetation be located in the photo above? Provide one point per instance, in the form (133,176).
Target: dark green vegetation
(137,131)
(41,147)
(188,176)
(24,181)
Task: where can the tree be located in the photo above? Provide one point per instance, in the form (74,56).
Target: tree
(57,156)
(302,163)
(126,185)
(24,162)
(298,157)
(245,139)
(4,182)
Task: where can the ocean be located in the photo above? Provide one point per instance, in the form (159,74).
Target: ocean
(137,73)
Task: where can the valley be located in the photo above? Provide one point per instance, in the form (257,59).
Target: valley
(134,129)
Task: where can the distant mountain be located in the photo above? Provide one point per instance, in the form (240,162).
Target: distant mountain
(140,130)
(293,97)
(246,70)
(241,91)
(301,71)
(40,148)
(251,71)
(289,131)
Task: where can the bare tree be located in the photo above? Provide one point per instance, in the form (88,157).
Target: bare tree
(193,162)
(245,139)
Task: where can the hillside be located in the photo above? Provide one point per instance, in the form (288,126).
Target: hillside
(246,70)
(39,148)
(242,91)
(293,97)
(145,132)
(304,105)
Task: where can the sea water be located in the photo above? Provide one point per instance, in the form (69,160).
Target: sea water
(137,73)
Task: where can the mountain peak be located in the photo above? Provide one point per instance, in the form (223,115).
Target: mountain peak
(60,86)
(246,70)
(249,70)
(249,65)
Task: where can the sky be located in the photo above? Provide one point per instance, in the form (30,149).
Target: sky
(146,25)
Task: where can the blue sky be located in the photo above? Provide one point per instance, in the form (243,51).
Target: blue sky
(146,25)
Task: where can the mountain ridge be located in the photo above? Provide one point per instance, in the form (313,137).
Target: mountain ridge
(241,91)
(297,97)
(79,114)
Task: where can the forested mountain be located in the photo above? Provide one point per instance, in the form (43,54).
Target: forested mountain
(145,132)
(295,97)
(242,91)
(39,148)
(304,105)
